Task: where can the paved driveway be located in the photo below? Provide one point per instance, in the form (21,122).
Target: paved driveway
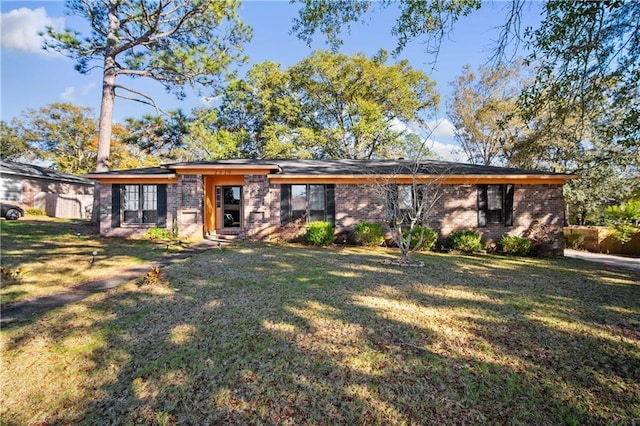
(605,259)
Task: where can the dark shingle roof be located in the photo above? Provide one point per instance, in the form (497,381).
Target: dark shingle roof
(342,167)
(368,167)
(147,171)
(29,170)
(394,167)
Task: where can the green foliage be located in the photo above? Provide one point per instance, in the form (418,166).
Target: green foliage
(581,107)
(429,21)
(12,146)
(162,137)
(467,241)
(574,240)
(320,233)
(515,245)
(35,211)
(328,105)
(61,133)
(156,233)
(174,227)
(422,238)
(623,232)
(625,212)
(176,43)
(369,234)
(484,112)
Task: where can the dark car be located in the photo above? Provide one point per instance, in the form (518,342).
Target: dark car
(11,211)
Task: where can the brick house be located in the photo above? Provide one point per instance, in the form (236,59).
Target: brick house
(257,198)
(58,194)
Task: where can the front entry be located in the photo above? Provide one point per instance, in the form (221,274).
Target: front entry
(223,207)
(231,204)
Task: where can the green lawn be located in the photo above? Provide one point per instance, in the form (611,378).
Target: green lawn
(42,256)
(268,334)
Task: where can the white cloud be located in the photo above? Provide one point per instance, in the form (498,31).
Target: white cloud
(19,29)
(437,129)
(69,94)
(87,88)
(441,128)
(444,151)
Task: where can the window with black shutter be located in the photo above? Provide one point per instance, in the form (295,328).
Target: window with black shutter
(308,202)
(495,204)
(139,204)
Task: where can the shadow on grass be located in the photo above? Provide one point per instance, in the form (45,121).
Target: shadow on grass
(291,335)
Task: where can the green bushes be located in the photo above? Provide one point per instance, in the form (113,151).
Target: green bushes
(467,241)
(158,234)
(429,238)
(35,211)
(518,246)
(319,233)
(574,240)
(369,234)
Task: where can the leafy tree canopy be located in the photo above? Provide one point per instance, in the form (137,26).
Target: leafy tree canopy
(159,137)
(484,112)
(175,42)
(327,106)
(12,146)
(586,53)
(64,135)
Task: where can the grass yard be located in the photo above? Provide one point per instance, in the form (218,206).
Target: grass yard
(44,256)
(267,334)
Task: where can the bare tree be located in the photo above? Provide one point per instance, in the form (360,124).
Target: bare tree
(409,194)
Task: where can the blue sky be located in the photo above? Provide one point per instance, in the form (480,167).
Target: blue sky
(32,78)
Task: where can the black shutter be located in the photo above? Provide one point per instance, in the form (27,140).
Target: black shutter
(482,205)
(162,206)
(285,202)
(116,195)
(331,204)
(508,205)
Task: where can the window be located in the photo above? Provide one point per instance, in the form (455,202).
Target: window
(307,202)
(11,189)
(495,204)
(405,197)
(139,204)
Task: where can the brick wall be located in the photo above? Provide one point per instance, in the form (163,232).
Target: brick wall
(538,212)
(185,204)
(58,199)
(358,203)
(184,208)
(257,196)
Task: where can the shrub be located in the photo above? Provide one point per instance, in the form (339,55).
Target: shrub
(35,211)
(518,246)
(467,241)
(574,240)
(623,232)
(319,233)
(429,238)
(369,234)
(158,234)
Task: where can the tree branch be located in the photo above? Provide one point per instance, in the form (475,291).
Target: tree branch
(150,101)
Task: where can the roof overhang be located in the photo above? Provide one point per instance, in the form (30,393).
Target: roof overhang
(225,169)
(134,178)
(408,179)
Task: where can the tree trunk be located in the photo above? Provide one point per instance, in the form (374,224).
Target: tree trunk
(106,108)
(106,117)
(108,92)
